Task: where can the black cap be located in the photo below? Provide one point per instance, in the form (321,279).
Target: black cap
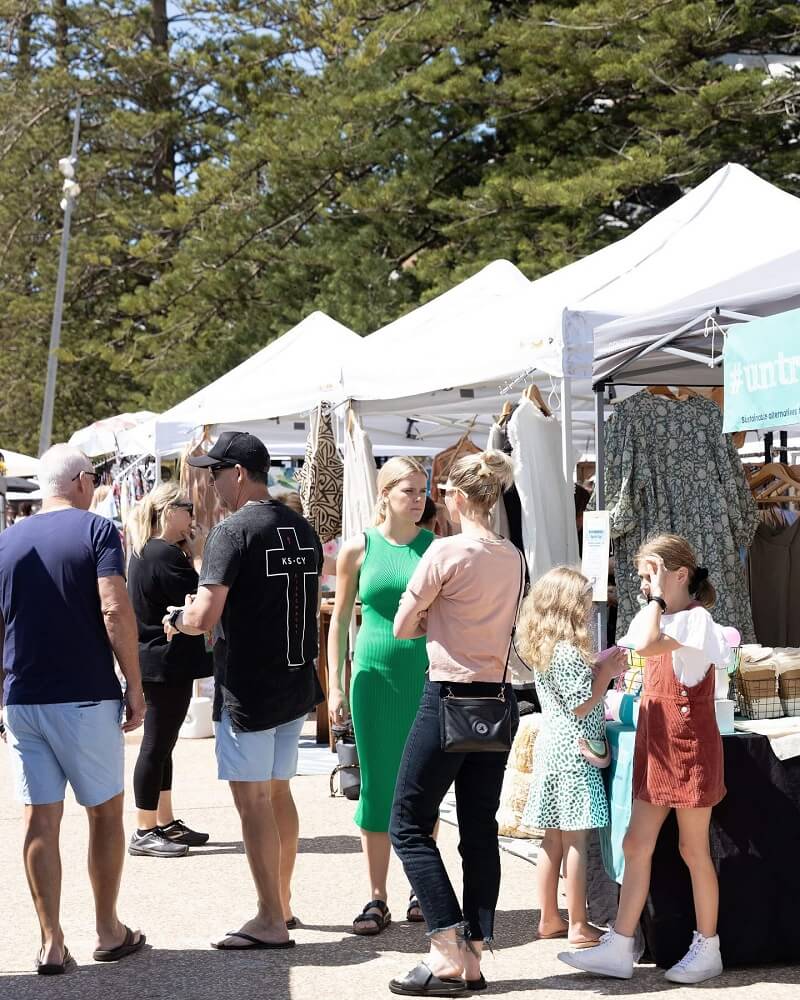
(235,448)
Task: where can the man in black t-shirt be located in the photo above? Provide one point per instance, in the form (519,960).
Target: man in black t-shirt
(259,592)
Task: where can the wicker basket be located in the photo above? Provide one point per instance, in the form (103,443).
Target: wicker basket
(757,696)
(789,692)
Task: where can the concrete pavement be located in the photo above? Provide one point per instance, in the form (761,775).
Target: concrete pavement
(183,904)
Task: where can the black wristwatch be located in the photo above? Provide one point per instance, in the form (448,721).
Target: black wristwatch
(173,618)
(659,601)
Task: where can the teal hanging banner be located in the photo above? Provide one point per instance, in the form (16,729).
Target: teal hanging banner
(762,373)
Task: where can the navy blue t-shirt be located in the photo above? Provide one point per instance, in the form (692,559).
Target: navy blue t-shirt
(56,647)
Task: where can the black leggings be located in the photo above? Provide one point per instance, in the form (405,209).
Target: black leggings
(167,705)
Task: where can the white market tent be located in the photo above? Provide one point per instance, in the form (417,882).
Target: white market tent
(288,377)
(270,395)
(103,436)
(450,360)
(728,245)
(19,465)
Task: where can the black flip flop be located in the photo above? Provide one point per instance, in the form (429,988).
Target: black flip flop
(421,982)
(255,944)
(54,968)
(129,946)
(477,985)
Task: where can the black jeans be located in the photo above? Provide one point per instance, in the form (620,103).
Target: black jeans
(167,705)
(426,773)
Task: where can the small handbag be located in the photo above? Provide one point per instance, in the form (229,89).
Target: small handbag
(348,769)
(471,724)
(596,752)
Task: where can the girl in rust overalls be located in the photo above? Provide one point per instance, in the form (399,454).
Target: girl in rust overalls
(678,757)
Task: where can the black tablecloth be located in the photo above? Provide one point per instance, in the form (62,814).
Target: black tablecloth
(755,843)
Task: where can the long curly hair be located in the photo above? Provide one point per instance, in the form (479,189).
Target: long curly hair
(554,611)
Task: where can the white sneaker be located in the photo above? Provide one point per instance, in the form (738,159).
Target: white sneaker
(613,956)
(702,961)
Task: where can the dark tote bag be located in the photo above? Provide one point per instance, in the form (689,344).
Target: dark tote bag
(476,724)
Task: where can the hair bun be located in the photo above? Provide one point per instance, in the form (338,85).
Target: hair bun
(498,465)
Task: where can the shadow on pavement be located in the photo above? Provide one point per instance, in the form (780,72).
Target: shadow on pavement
(330,845)
(156,974)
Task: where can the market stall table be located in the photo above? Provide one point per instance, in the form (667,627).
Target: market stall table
(755,844)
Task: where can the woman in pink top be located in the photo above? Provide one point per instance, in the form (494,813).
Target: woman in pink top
(463,596)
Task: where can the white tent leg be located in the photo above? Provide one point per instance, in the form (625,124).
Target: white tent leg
(600,496)
(567,451)
(157,480)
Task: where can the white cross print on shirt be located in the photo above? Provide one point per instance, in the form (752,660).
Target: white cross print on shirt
(296,564)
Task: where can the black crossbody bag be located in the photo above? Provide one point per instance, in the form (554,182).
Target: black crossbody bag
(471,723)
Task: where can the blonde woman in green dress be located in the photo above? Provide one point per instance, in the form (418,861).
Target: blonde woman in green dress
(388,673)
(567,797)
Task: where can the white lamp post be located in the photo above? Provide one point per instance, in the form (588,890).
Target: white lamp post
(71,190)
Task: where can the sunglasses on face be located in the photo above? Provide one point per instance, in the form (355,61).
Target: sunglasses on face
(215,469)
(94,476)
(184,505)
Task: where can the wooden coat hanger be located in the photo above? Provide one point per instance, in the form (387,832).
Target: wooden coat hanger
(533,395)
(505,416)
(661,390)
(771,483)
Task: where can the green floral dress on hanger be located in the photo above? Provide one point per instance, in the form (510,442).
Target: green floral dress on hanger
(669,468)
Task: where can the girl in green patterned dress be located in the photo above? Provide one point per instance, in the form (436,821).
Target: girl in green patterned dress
(388,673)
(567,797)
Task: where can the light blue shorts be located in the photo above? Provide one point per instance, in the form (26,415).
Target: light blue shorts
(268,755)
(76,742)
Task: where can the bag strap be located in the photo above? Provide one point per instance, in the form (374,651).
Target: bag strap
(516,614)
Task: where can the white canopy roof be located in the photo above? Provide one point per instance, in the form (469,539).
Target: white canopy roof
(102,437)
(731,242)
(477,336)
(687,330)
(289,376)
(19,465)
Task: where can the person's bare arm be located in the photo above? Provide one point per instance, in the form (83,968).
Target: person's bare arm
(120,624)
(201,612)
(348,568)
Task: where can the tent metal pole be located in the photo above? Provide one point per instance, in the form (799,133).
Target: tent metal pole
(567,449)
(600,494)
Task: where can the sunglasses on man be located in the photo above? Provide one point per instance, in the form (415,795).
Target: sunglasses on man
(96,477)
(220,467)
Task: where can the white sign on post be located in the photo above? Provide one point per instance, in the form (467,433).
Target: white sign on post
(596,548)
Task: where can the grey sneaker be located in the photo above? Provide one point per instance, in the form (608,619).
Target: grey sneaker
(153,844)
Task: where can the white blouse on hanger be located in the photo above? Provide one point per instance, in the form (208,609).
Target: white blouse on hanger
(549,532)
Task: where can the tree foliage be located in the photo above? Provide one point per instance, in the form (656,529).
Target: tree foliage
(244,163)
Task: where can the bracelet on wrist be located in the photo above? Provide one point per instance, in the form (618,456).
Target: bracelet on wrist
(654,599)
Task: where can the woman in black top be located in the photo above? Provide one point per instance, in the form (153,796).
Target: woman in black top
(160,574)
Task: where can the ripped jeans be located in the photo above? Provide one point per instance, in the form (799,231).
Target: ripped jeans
(426,773)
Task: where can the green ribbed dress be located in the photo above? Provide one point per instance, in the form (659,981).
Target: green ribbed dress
(388,674)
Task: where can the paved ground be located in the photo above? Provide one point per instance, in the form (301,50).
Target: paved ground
(183,904)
